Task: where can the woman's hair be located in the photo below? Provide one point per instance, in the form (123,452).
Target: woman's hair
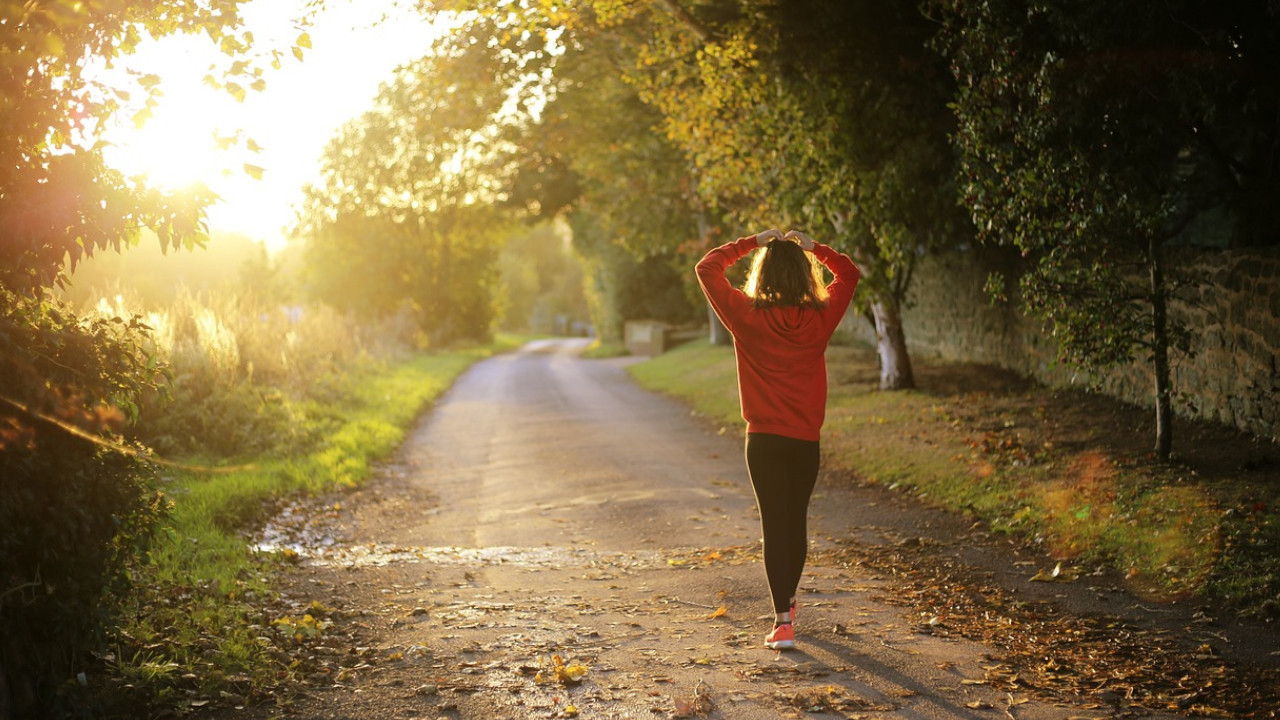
(783,274)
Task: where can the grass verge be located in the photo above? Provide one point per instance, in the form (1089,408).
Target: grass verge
(599,350)
(1067,470)
(203,626)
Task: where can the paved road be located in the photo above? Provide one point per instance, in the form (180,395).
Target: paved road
(547,507)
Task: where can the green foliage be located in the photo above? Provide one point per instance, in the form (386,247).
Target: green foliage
(847,138)
(71,512)
(223,419)
(405,215)
(621,287)
(542,283)
(1041,170)
(1089,152)
(594,155)
(58,199)
(72,517)
(247,376)
(1112,123)
(81,371)
(634,185)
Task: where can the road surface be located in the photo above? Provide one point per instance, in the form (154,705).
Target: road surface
(552,541)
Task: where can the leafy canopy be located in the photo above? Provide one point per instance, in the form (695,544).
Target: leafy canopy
(1094,135)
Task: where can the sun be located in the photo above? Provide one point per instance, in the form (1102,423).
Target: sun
(193,135)
(258,153)
(176,150)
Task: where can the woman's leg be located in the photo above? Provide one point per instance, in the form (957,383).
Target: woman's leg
(783,472)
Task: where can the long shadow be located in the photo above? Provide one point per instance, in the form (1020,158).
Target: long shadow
(915,697)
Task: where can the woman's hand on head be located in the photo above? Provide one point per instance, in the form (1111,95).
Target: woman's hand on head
(766,236)
(805,241)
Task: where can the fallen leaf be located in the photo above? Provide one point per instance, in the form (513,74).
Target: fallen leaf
(557,670)
(1057,574)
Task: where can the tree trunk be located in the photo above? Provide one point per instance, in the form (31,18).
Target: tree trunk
(1160,354)
(719,333)
(891,344)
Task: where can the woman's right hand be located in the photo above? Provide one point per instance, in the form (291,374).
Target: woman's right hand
(765,237)
(805,241)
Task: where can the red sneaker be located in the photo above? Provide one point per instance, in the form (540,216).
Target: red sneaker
(783,637)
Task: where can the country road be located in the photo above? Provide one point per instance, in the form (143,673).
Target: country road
(552,541)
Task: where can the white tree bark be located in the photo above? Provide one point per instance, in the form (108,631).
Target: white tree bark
(891,344)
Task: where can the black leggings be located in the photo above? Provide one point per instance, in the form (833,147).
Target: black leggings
(783,471)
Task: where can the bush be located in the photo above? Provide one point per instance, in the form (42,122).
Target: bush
(72,511)
(72,517)
(244,372)
(246,378)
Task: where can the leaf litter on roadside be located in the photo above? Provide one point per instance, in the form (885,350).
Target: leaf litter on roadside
(1101,662)
(831,699)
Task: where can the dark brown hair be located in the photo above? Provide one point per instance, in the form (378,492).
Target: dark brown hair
(783,274)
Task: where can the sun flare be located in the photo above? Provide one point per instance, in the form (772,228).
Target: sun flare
(258,152)
(190,136)
(176,151)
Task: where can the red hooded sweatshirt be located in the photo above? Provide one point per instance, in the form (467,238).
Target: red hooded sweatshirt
(781,351)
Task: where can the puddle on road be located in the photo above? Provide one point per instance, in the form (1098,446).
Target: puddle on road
(382,554)
(303,531)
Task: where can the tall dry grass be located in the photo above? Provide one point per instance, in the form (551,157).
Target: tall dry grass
(244,373)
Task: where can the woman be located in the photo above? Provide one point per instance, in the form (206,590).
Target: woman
(781,325)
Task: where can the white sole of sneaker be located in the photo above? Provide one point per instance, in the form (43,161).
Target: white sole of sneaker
(781,645)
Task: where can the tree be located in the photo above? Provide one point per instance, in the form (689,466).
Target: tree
(1093,136)
(72,508)
(592,154)
(59,200)
(635,218)
(847,138)
(867,156)
(406,214)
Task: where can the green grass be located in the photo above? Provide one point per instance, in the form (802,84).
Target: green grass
(200,619)
(598,350)
(1000,457)
(700,373)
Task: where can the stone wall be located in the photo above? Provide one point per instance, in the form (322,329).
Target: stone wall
(1234,317)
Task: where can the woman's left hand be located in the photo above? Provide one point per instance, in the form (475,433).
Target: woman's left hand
(767,236)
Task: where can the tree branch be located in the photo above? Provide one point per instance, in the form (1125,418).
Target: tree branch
(1231,169)
(19,588)
(688,20)
(102,442)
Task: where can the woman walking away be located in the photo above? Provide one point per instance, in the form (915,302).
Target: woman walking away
(781,324)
